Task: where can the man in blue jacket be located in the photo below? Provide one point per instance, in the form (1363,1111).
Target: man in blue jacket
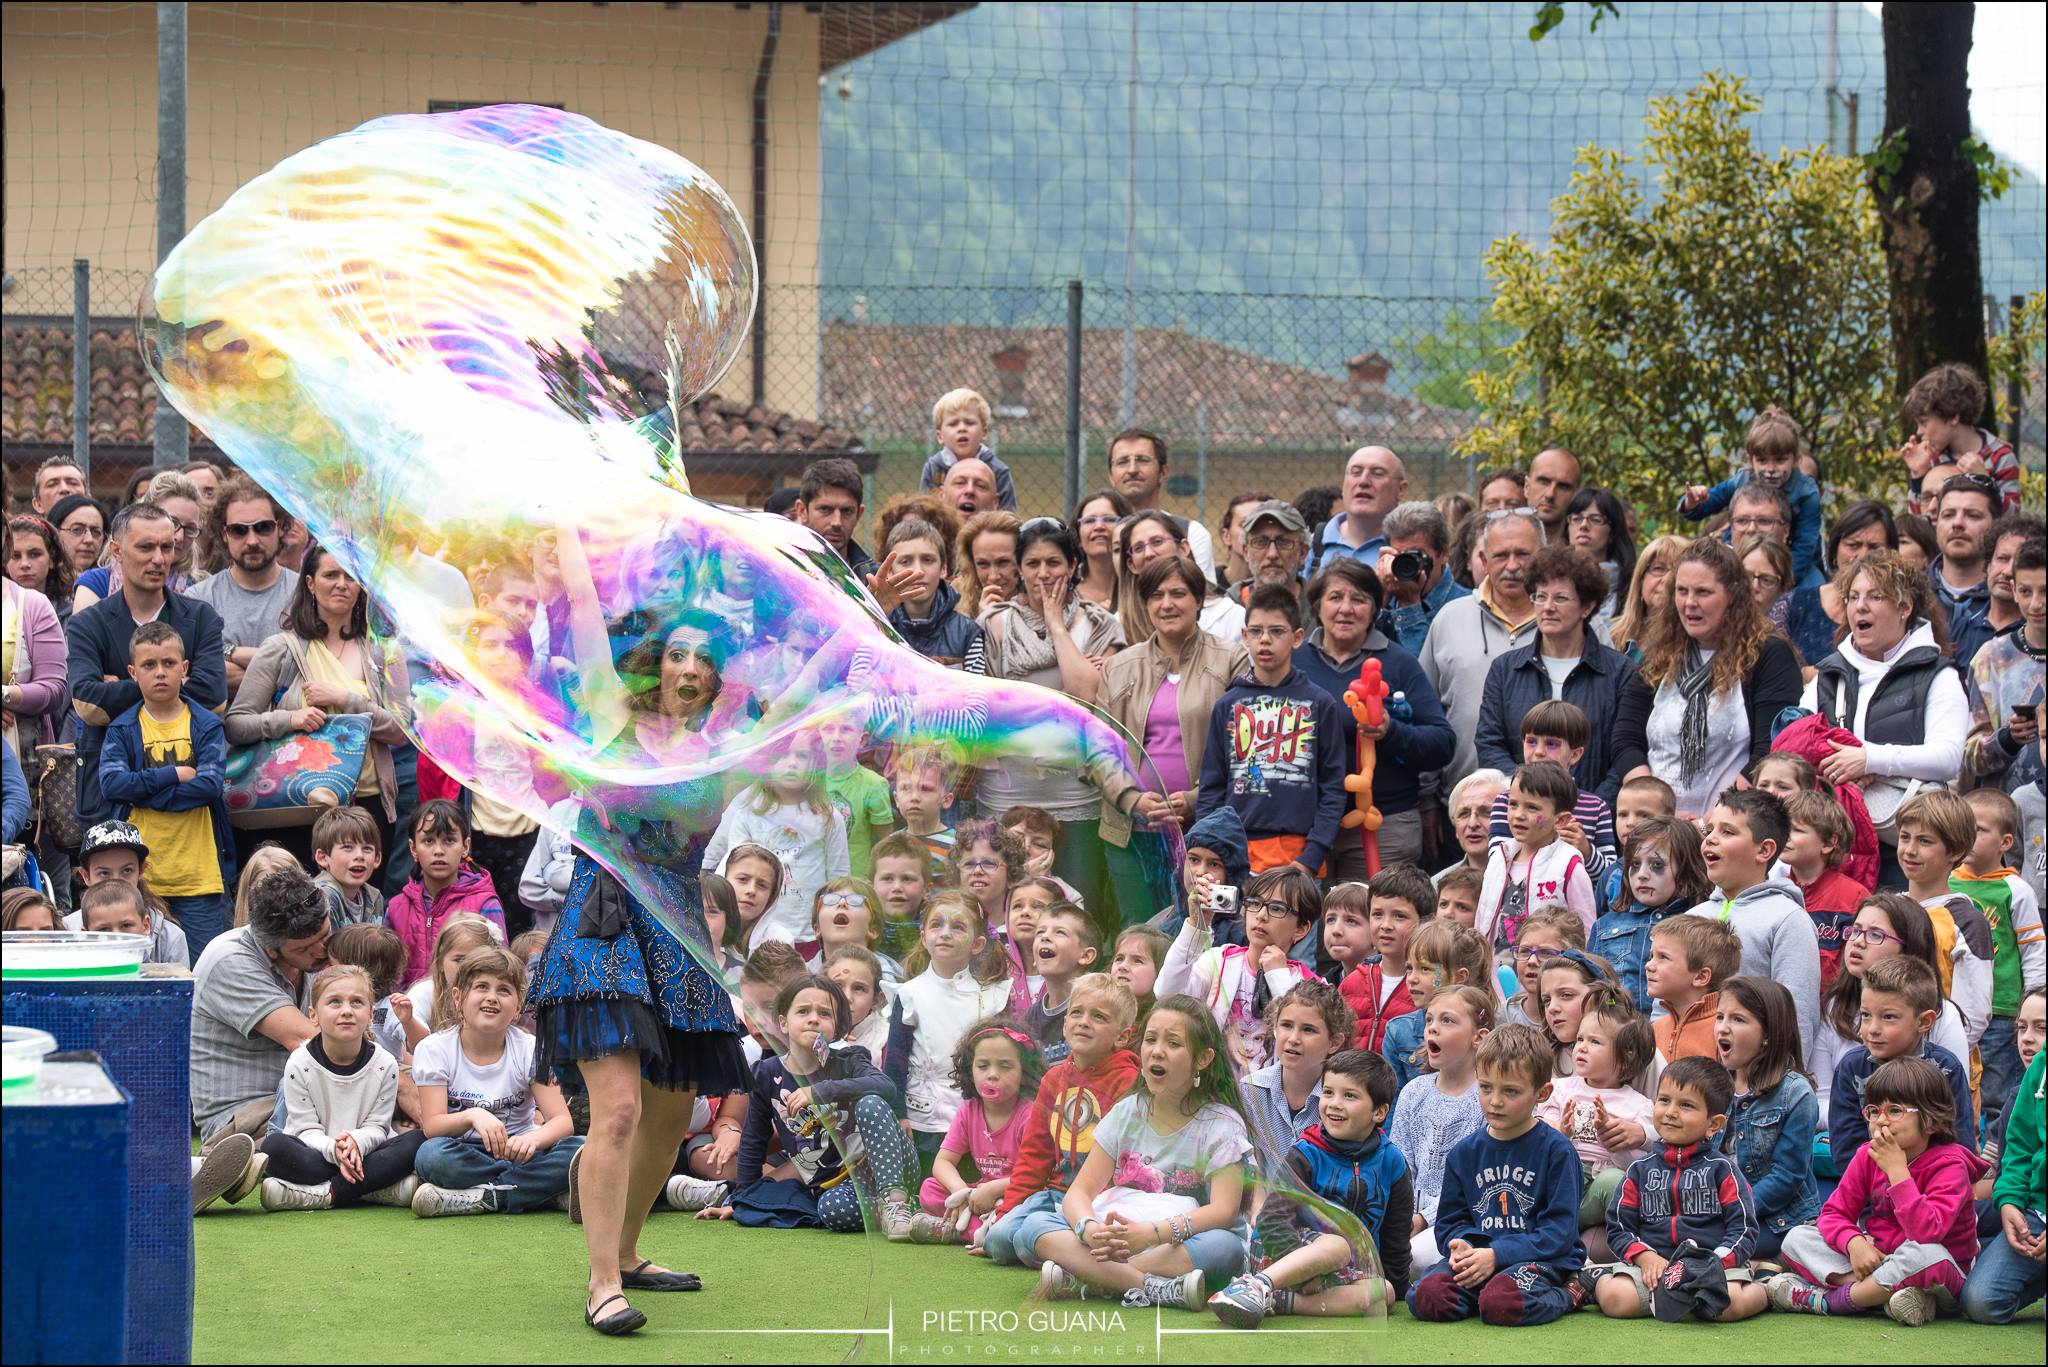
(1275,747)
(1344,600)
(144,539)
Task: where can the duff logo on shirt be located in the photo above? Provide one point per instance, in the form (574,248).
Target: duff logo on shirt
(1271,738)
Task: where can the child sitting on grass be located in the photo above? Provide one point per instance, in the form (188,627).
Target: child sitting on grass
(1097,1074)
(1441,1107)
(1508,1219)
(1682,1222)
(1901,1229)
(432,1003)
(1347,1160)
(485,1151)
(378,951)
(1901,999)
(339,1145)
(1304,1026)
(1773,1117)
(1158,1207)
(998,1069)
(813,1100)
(2009,1271)
(954,983)
(1608,1121)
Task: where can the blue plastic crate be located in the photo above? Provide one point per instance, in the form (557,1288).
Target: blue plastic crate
(142,1029)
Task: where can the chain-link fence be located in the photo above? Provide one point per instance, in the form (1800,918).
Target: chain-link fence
(1276,212)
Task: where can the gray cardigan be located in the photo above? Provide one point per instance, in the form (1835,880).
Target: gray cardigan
(271,692)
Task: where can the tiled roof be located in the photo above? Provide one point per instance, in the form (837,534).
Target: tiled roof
(35,402)
(883,378)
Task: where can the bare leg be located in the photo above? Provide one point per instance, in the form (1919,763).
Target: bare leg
(664,1116)
(1868,1293)
(603,1170)
(1619,1299)
(1744,1300)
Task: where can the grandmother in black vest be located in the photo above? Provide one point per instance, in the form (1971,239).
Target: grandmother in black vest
(1892,682)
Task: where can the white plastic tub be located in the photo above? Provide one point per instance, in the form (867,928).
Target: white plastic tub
(32,954)
(24,1051)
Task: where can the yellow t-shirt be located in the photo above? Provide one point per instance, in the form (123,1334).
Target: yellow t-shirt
(182,858)
(322,666)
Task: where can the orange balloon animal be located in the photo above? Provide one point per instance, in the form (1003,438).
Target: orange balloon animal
(1367,699)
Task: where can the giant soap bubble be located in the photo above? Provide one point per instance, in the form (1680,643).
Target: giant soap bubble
(427,337)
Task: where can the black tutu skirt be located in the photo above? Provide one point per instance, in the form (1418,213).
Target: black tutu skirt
(570,1033)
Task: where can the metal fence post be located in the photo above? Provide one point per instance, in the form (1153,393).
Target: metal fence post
(1073,490)
(173,442)
(2014,396)
(81,367)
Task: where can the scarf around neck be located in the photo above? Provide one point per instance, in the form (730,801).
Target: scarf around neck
(1695,685)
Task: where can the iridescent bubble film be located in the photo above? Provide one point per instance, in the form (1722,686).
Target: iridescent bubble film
(429,338)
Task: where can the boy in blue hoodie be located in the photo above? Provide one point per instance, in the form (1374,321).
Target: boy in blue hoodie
(1347,1160)
(1508,1218)
(1275,746)
(163,765)
(1773,449)
(960,422)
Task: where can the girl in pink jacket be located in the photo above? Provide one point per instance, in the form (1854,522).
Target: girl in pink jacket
(443,883)
(1901,1229)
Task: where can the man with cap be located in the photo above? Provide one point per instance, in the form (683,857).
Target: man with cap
(113,851)
(1275,546)
(1375,482)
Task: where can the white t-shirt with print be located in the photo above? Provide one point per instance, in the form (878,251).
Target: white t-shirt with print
(504,1088)
(1177,1164)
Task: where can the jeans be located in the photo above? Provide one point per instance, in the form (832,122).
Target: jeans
(201,918)
(2000,1051)
(518,1187)
(2002,1283)
(1014,1238)
(386,1165)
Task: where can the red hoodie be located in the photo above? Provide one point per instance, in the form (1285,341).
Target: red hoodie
(417,924)
(1832,900)
(1060,1134)
(1361,989)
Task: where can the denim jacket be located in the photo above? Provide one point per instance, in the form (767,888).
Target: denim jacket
(1398,1048)
(1771,1137)
(1622,937)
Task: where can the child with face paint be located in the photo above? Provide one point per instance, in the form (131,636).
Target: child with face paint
(1663,876)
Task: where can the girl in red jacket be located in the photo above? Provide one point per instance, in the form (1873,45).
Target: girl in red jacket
(1901,1229)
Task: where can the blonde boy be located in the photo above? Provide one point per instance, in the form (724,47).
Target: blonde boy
(960,424)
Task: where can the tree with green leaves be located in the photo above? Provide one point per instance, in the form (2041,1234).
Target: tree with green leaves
(1662,318)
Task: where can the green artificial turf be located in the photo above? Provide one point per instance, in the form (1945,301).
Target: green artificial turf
(377,1285)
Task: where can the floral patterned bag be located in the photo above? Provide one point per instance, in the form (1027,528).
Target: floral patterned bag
(291,780)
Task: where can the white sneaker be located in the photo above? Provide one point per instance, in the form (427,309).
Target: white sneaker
(1185,1292)
(685,1192)
(278,1194)
(1055,1283)
(429,1201)
(1910,1306)
(399,1193)
(897,1217)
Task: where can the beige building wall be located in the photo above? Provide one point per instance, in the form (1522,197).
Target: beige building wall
(267,79)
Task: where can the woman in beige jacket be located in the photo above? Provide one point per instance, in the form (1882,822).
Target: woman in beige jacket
(1162,691)
(323,663)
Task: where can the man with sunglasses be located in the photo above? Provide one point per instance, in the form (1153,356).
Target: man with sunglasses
(254,593)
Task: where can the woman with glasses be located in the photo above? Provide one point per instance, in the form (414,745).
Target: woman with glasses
(1767,562)
(81,526)
(1096,521)
(1892,683)
(175,493)
(1052,637)
(1596,524)
(1154,535)
(1814,615)
(1887,923)
(1648,586)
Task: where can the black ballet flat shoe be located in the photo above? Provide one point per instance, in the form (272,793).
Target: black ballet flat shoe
(640,1280)
(622,1322)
